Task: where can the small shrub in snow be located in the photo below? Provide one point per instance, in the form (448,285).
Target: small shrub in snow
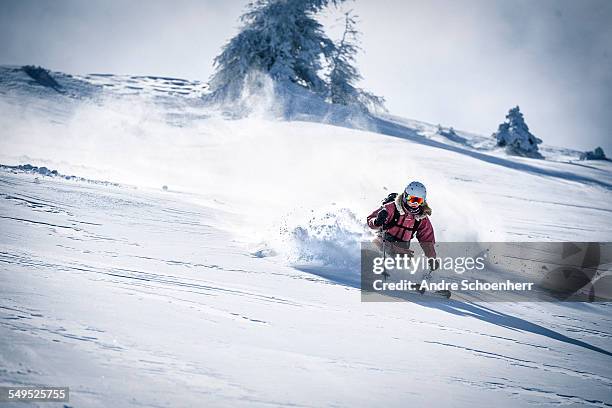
(450,134)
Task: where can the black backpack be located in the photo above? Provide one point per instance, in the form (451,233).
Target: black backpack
(390,198)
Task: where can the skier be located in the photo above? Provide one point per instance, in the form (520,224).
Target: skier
(403,216)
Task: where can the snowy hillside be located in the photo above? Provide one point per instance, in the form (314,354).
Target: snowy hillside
(236,286)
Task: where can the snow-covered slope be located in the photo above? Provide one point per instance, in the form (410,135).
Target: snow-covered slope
(236,286)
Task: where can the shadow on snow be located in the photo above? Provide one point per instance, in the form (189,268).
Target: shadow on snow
(458,308)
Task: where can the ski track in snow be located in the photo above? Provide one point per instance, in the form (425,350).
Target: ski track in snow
(533,395)
(530,364)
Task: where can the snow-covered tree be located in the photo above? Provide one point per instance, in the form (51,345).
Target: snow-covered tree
(596,154)
(280,38)
(344,75)
(283,40)
(514,135)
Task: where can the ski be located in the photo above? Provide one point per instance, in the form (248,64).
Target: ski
(443,293)
(438,293)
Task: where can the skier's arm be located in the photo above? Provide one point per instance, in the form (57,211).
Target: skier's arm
(426,237)
(375,215)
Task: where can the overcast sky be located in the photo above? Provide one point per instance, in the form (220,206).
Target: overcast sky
(458,63)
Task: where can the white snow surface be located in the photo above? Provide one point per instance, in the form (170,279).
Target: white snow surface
(237,286)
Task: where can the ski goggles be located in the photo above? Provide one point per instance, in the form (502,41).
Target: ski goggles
(414,199)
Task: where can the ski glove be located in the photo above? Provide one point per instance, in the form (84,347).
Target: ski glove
(381,217)
(433,264)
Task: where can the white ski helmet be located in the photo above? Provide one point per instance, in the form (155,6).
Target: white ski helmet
(416,189)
